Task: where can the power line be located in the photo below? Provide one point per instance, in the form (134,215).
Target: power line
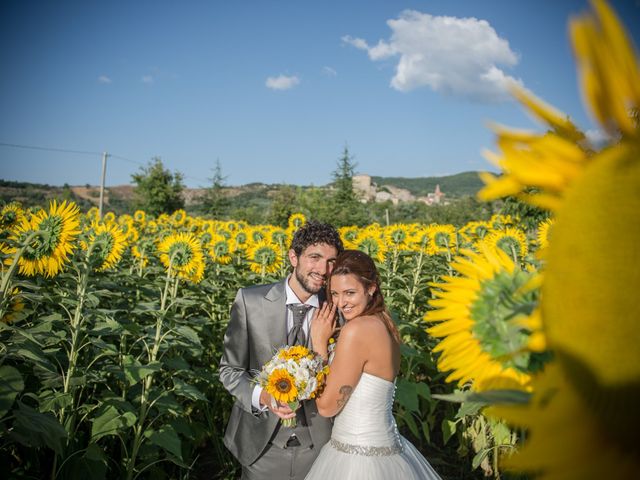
(49,149)
(85,152)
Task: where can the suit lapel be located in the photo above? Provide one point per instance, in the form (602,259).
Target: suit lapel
(275,315)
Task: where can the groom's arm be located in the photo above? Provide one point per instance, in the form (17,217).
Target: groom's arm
(234,364)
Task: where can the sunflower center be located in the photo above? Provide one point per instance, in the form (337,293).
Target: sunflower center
(283,385)
(500,303)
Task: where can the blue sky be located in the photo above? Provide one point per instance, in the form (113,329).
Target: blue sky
(275,89)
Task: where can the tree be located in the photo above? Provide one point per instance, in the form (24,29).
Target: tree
(285,202)
(215,202)
(345,204)
(157,189)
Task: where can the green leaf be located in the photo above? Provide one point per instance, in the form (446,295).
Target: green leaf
(423,390)
(167,439)
(11,384)
(109,421)
(490,397)
(478,458)
(52,402)
(183,389)
(409,421)
(407,394)
(135,371)
(187,333)
(469,408)
(448,429)
(34,429)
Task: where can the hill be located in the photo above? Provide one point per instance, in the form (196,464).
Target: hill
(458,185)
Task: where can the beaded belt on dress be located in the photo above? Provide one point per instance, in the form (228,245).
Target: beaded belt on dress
(366,450)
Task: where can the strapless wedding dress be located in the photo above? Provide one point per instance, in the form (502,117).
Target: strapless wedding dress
(365,443)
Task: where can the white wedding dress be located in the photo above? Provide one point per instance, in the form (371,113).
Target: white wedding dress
(365,443)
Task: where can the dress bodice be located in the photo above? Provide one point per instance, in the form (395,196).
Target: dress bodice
(367,418)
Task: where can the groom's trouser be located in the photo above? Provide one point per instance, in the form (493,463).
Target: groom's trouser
(288,455)
(290,463)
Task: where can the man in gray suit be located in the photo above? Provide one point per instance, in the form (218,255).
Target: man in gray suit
(261,321)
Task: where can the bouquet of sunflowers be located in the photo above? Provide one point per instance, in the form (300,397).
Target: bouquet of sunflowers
(295,373)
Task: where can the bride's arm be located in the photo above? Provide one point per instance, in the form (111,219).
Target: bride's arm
(345,370)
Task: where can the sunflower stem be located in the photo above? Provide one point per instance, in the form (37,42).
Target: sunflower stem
(6,278)
(147,383)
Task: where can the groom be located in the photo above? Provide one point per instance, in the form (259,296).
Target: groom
(261,321)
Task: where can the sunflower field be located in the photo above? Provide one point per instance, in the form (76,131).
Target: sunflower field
(520,345)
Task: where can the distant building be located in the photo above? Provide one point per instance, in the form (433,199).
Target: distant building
(367,190)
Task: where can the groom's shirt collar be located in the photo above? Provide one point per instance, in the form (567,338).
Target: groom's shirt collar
(293,298)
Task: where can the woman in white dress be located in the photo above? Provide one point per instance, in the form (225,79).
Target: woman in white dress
(365,443)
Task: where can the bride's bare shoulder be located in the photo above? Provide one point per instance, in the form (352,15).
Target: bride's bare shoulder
(362,326)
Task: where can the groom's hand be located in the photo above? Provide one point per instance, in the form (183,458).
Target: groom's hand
(282,410)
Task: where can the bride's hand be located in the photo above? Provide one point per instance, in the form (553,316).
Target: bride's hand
(323,324)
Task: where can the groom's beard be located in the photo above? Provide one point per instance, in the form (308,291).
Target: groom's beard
(304,282)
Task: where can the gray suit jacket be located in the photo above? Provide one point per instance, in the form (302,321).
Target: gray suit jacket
(258,326)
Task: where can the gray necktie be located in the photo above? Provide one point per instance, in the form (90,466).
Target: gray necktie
(296,335)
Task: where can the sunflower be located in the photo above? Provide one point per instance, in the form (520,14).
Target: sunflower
(264,257)
(589,315)
(181,253)
(398,236)
(543,233)
(140,216)
(11,215)
(240,241)
(109,217)
(107,244)
(281,386)
(481,315)
(296,220)
(370,243)
(442,239)
(349,235)
(52,235)
(15,306)
(279,236)
(179,218)
(511,240)
(295,352)
(219,249)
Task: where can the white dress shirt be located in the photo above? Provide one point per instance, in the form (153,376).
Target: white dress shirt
(291,297)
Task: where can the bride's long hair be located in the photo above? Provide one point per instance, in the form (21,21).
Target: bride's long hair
(361,265)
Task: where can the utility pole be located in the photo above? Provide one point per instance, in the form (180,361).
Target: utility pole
(104,173)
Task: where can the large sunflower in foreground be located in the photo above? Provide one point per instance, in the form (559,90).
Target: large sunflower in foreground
(181,253)
(52,234)
(107,244)
(583,420)
(281,385)
(482,319)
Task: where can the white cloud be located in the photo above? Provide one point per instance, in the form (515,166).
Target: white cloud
(147,79)
(104,79)
(451,55)
(282,82)
(597,137)
(329,72)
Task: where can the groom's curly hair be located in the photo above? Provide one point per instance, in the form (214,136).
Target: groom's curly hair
(314,232)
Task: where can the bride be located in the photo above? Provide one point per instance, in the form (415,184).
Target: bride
(365,442)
